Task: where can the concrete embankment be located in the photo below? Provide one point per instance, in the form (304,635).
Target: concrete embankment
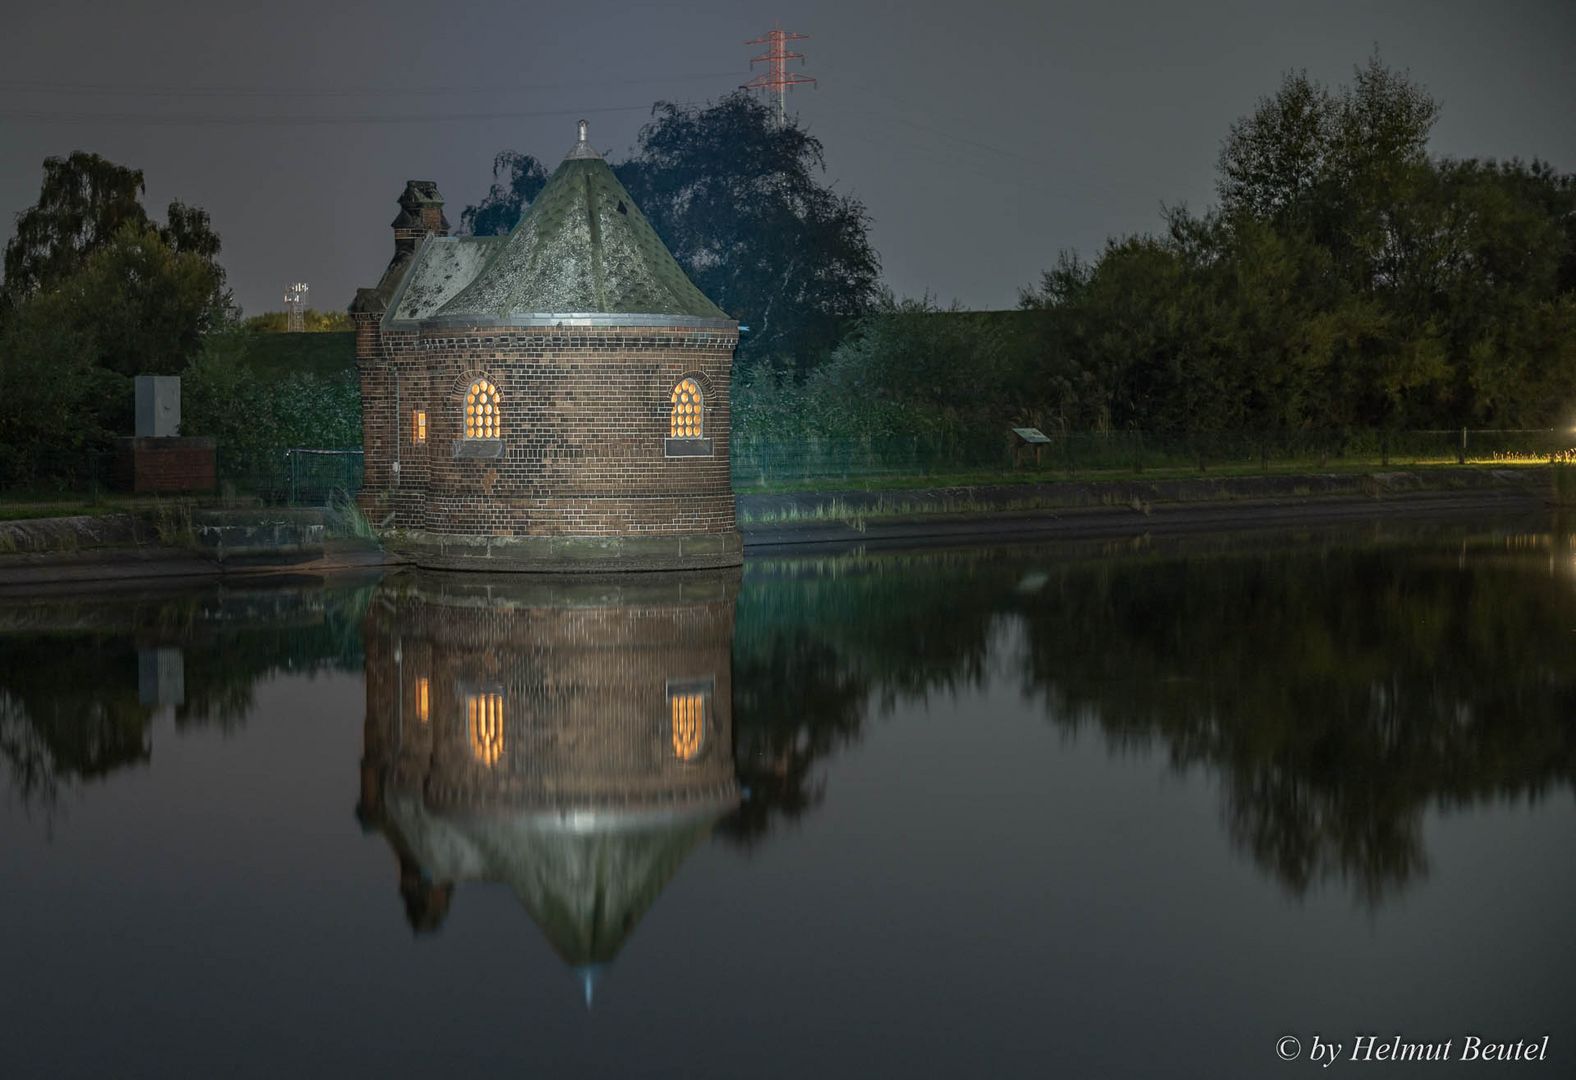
(1094,509)
(78,552)
(177,543)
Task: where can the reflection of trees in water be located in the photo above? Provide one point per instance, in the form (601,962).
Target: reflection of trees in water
(801,708)
(1338,692)
(810,650)
(70,706)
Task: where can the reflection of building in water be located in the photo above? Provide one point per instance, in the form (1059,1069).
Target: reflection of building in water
(567,737)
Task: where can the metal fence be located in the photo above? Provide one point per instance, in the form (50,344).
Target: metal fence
(315,475)
(308,476)
(759,463)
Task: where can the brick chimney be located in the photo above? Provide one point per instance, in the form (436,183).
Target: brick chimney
(420,214)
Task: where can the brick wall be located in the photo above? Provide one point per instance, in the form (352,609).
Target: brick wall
(167,464)
(584,691)
(585,414)
(377,416)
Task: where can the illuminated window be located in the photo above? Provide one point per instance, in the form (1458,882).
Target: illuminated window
(418,426)
(481,410)
(688,723)
(423,699)
(484,720)
(685,420)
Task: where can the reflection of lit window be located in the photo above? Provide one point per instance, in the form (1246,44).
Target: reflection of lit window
(481,411)
(418,426)
(688,723)
(423,699)
(685,420)
(484,720)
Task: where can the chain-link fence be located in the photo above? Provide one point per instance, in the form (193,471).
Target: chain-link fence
(766,463)
(315,475)
(309,476)
(297,476)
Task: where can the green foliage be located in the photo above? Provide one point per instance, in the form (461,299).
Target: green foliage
(67,353)
(312,322)
(94,294)
(272,355)
(738,199)
(143,305)
(740,202)
(85,202)
(88,204)
(517,179)
(59,412)
(1347,281)
(256,415)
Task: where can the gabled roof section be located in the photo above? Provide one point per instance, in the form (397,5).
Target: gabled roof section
(441,267)
(582,249)
(375,301)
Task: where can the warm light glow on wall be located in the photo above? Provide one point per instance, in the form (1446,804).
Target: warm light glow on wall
(418,426)
(423,699)
(481,411)
(685,420)
(484,720)
(689,724)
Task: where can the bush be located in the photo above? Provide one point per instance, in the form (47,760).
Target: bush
(256,418)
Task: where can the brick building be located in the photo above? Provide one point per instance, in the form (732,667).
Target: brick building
(568,737)
(554,399)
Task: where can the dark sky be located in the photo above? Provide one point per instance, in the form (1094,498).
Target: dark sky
(983,136)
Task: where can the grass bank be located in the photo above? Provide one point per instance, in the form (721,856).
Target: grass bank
(857,508)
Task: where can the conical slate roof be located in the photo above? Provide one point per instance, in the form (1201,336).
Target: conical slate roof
(586,887)
(583,248)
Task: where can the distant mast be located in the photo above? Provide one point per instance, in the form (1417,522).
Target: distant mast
(777,78)
(295,316)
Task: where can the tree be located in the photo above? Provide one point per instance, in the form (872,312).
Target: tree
(497,213)
(84,203)
(136,306)
(736,198)
(1339,165)
(189,231)
(1347,281)
(1306,153)
(1273,160)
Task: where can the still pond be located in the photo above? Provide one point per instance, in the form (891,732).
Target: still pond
(1134,809)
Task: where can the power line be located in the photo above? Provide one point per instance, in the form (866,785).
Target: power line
(27,86)
(303,119)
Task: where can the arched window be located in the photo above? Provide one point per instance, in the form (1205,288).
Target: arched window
(481,410)
(484,719)
(689,717)
(688,726)
(685,420)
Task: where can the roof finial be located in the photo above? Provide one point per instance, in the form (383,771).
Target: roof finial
(582,148)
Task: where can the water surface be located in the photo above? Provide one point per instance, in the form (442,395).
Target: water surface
(1129,810)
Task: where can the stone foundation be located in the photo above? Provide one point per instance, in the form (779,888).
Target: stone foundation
(569,554)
